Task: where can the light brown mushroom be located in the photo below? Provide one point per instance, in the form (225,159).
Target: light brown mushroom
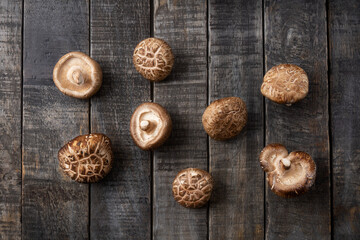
(288,175)
(77,75)
(285,84)
(225,118)
(153,59)
(150,126)
(192,187)
(87,158)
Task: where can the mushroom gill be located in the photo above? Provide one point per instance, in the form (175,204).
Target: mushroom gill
(288,175)
(77,75)
(150,126)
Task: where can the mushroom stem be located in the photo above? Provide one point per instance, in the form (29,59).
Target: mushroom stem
(144,125)
(286,162)
(77,77)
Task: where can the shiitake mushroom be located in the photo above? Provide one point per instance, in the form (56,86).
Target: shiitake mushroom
(150,126)
(285,84)
(77,75)
(288,175)
(87,158)
(192,187)
(153,59)
(225,118)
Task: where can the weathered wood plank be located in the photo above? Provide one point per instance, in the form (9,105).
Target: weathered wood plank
(344,36)
(10,119)
(295,32)
(121,203)
(54,207)
(236,69)
(184,94)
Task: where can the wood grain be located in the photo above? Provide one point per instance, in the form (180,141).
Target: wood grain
(236,69)
(10,119)
(184,94)
(344,36)
(54,207)
(295,32)
(121,203)
(42,203)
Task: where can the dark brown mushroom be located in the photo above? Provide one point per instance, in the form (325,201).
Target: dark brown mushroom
(225,118)
(192,187)
(77,75)
(150,126)
(87,158)
(288,175)
(285,84)
(153,59)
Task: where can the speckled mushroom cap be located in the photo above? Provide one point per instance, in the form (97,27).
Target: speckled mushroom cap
(285,84)
(288,175)
(150,126)
(192,187)
(77,75)
(87,158)
(225,118)
(153,59)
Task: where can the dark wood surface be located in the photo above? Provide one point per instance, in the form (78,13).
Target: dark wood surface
(52,205)
(295,32)
(10,118)
(121,204)
(344,46)
(221,48)
(236,69)
(184,94)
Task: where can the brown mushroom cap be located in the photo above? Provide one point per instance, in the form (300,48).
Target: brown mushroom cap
(192,187)
(150,126)
(288,175)
(153,59)
(225,118)
(87,158)
(77,75)
(285,84)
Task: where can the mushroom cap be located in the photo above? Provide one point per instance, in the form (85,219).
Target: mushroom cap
(192,187)
(153,59)
(225,118)
(87,158)
(77,75)
(288,175)
(285,84)
(150,126)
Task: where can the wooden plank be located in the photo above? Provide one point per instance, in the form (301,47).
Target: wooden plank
(235,69)
(121,204)
(184,94)
(10,119)
(295,32)
(54,207)
(344,35)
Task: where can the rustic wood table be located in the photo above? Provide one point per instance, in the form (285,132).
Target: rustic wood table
(222,48)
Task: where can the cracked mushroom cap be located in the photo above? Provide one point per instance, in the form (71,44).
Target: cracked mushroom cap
(87,158)
(77,75)
(150,126)
(225,118)
(285,84)
(153,59)
(288,175)
(192,187)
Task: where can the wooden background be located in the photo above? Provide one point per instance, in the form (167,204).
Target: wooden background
(222,48)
